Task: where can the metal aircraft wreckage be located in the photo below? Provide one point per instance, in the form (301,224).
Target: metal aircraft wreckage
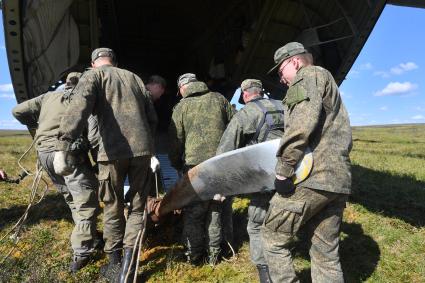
(223,41)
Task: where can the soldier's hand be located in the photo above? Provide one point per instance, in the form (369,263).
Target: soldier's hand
(154,164)
(64,163)
(219,197)
(3,175)
(284,186)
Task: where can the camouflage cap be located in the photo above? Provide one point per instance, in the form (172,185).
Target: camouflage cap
(185,79)
(288,50)
(248,83)
(102,52)
(73,77)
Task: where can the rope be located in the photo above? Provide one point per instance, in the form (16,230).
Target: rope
(38,177)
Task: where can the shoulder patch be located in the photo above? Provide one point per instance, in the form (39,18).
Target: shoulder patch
(295,95)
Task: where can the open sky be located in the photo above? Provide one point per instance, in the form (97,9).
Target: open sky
(384,86)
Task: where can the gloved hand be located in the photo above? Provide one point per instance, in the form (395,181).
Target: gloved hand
(64,163)
(284,187)
(218,197)
(154,164)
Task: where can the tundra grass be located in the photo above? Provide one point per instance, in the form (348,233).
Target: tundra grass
(382,235)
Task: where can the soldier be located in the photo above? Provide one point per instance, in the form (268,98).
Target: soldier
(260,120)
(42,115)
(127,123)
(315,117)
(156,86)
(198,122)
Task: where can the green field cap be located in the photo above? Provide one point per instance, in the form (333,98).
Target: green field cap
(248,83)
(288,50)
(185,79)
(102,52)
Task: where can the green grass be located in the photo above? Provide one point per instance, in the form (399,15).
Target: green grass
(382,237)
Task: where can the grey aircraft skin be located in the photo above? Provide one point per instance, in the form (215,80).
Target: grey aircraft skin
(222,41)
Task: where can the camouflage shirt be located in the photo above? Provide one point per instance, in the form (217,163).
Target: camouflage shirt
(316,117)
(243,127)
(197,124)
(126,116)
(44,113)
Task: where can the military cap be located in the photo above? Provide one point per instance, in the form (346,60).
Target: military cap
(73,78)
(102,52)
(248,83)
(288,50)
(185,79)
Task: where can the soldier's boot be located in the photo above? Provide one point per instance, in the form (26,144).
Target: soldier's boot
(78,262)
(213,256)
(263,273)
(111,270)
(126,268)
(194,259)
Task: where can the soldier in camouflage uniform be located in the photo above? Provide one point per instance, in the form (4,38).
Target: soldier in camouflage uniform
(198,122)
(42,115)
(260,120)
(315,117)
(127,121)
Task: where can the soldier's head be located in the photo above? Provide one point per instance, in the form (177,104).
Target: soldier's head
(156,86)
(184,80)
(289,59)
(102,56)
(250,89)
(72,79)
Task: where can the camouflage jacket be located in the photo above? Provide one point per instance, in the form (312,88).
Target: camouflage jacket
(126,117)
(197,124)
(44,113)
(316,117)
(243,127)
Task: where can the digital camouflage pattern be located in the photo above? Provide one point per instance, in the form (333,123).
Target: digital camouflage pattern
(79,189)
(239,133)
(46,120)
(197,124)
(321,214)
(243,126)
(125,113)
(316,117)
(117,231)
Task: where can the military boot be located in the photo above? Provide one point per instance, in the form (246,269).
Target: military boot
(194,259)
(126,268)
(78,262)
(111,270)
(263,273)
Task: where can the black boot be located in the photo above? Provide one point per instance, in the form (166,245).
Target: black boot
(111,270)
(263,273)
(78,262)
(126,268)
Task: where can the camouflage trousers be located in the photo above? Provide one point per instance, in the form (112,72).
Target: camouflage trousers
(203,228)
(321,214)
(117,232)
(256,213)
(79,191)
